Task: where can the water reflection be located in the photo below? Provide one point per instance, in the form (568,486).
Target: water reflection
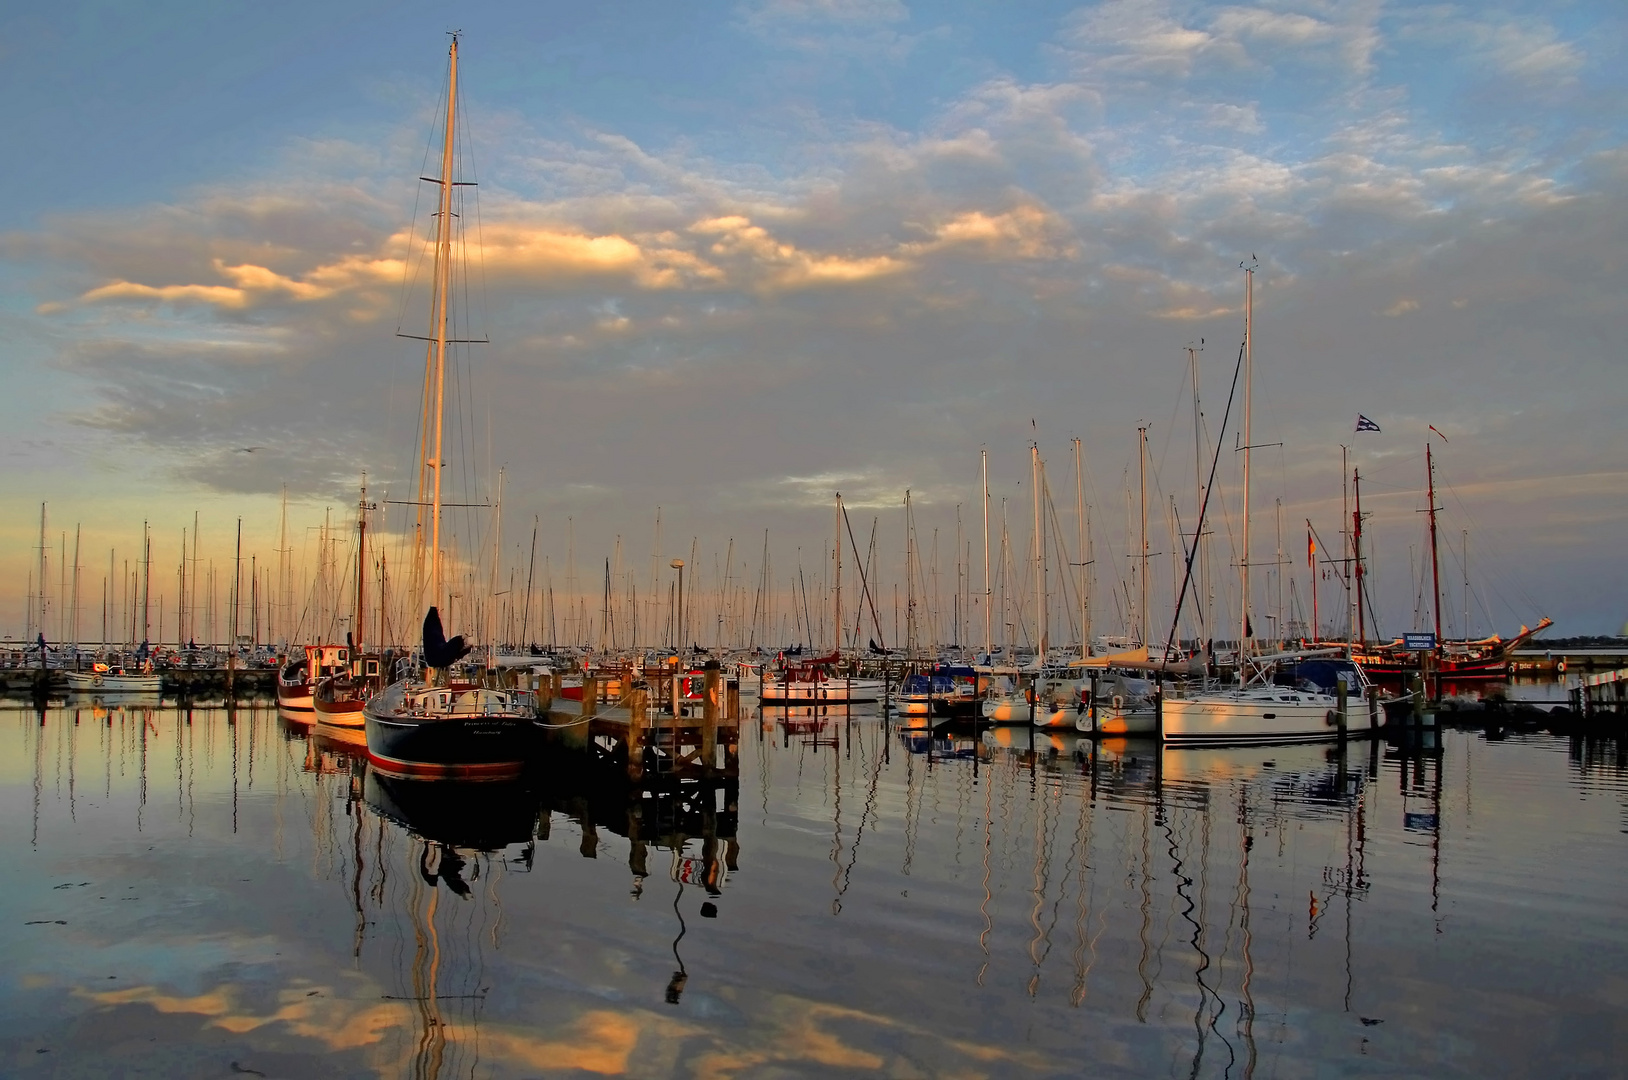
(1005,901)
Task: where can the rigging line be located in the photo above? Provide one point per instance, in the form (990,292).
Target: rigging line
(1485,538)
(1198,529)
(407,263)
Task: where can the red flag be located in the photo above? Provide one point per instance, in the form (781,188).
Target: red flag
(1311,550)
(1433,428)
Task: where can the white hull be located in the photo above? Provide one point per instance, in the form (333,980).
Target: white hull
(830,692)
(1254,715)
(97,683)
(1110,721)
(1014,709)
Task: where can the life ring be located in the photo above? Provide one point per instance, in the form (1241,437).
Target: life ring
(1119,703)
(1560,667)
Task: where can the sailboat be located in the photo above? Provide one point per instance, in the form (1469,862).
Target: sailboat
(425,724)
(1453,661)
(338,698)
(1254,710)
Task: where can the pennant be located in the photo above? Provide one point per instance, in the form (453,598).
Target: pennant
(1433,428)
(1365,424)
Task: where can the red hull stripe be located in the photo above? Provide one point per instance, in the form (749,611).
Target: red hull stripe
(485,769)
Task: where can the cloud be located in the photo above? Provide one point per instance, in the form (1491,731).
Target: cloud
(763,263)
(893,290)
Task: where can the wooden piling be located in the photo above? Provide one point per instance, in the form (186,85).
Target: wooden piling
(709,719)
(590,694)
(638,712)
(1345,697)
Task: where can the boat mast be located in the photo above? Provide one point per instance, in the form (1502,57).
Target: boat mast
(1435,569)
(1356,552)
(443,278)
(989,641)
(1039,563)
(362,507)
(1249,370)
(836,626)
(491,592)
(1142,571)
(1085,560)
(909,579)
(1198,483)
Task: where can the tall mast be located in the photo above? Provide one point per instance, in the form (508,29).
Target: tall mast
(1085,560)
(909,578)
(40,626)
(362,507)
(146,580)
(1039,564)
(1198,491)
(1435,569)
(443,279)
(1249,371)
(837,625)
(285,577)
(1345,544)
(989,641)
(491,592)
(1142,572)
(1356,552)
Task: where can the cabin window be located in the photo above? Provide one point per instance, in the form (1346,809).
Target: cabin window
(372,667)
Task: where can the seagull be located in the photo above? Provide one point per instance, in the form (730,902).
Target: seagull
(249,449)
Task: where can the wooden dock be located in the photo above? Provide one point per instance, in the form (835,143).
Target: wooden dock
(645,722)
(1606,691)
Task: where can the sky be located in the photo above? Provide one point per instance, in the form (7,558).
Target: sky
(733,258)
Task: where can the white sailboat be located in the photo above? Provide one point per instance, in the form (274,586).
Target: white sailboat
(1253,710)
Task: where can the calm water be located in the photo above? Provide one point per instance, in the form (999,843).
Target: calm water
(188,896)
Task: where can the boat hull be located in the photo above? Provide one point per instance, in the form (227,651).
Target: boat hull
(338,706)
(448,743)
(824,692)
(99,683)
(1115,722)
(1248,717)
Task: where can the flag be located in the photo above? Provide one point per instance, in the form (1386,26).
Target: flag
(1433,428)
(1311,550)
(1365,424)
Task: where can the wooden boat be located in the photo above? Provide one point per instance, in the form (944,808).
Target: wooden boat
(1457,661)
(338,696)
(298,676)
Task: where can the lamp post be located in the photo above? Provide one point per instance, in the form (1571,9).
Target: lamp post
(678,564)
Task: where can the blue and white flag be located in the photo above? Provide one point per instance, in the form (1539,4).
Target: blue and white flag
(1365,424)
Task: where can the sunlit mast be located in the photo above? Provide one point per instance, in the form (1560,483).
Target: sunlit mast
(435,360)
(1249,367)
(989,644)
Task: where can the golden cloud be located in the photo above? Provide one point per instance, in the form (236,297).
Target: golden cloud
(251,284)
(1027,232)
(771,265)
